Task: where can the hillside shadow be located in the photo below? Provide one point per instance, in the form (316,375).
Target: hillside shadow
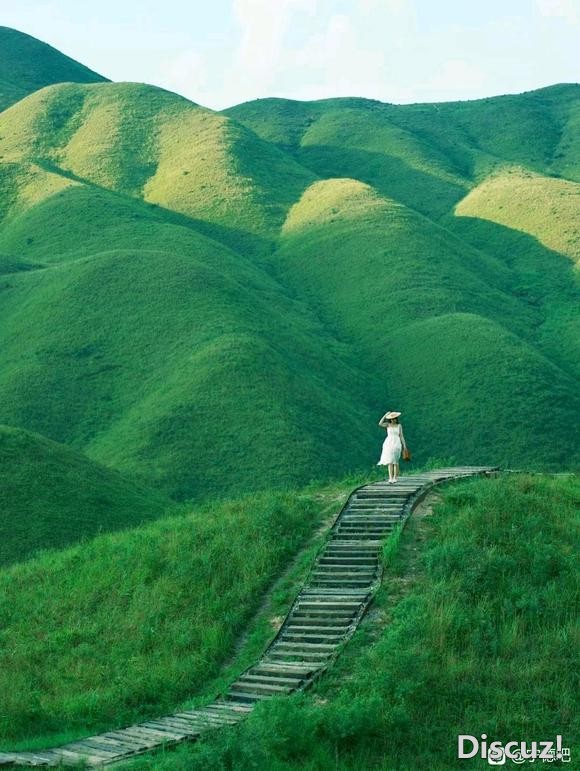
(391,176)
(543,279)
(238,240)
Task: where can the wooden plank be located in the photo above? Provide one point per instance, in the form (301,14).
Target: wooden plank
(89,749)
(204,723)
(123,746)
(166,733)
(141,731)
(174,724)
(222,716)
(125,738)
(96,743)
(42,758)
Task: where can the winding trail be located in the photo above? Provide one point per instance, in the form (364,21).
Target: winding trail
(341,584)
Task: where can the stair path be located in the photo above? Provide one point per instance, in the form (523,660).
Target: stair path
(329,607)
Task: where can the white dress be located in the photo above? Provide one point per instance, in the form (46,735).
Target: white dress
(391,446)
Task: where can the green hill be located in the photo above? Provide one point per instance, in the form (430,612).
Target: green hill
(127,624)
(207,302)
(27,64)
(454,140)
(156,357)
(543,207)
(150,143)
(472,632)
(433,315)
(52,496)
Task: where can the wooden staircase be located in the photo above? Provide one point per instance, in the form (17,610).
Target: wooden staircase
(336,594)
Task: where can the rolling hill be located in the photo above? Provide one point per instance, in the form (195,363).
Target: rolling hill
(475,597)
(125,624)
(27,64)
(52,496)
(210,301)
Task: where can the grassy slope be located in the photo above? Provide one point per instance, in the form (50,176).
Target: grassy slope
(406,269)
(127,625)
(177,406)
(546,208)
(482,641)
(51,496)
(419,290)
(27,64)
(172,397)
(148,142)
(149,203)
(460,139)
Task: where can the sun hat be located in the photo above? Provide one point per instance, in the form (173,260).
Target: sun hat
(390,415)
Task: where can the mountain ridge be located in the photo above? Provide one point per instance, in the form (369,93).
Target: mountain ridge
(28,64)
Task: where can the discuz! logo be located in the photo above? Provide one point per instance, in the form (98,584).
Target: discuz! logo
(497,753)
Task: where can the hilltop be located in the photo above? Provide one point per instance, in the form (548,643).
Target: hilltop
(52,496)
(27,64)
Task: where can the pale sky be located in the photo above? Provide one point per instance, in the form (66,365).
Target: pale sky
(222,52)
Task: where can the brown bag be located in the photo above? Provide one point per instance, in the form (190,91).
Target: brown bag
(406,454)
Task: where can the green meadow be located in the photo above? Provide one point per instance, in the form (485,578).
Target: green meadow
(125,625)
(52,496)
(472,632)
(203,315)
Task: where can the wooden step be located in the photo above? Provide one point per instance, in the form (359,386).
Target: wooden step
(300,656)
(349,567)
(300,671)
(311,637)
(298,653)
(175,726)
(368,523)
(314,628)
(125,737)
(291,681)
(209,715)
(306,646)
(324,622)
(372,516)
(246,697)
(341,583)
(324,604)
(200,719)
(352,527)
(126,740)
(357,575)
(96,744)
(363,561)
(358,536)
(164,732)
(242,709)
(250,686)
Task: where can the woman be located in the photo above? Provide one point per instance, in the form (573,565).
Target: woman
(393,444)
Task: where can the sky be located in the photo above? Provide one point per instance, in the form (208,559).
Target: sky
(222,52)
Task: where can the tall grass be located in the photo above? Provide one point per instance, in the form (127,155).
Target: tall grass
(127,625)
(483,642)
